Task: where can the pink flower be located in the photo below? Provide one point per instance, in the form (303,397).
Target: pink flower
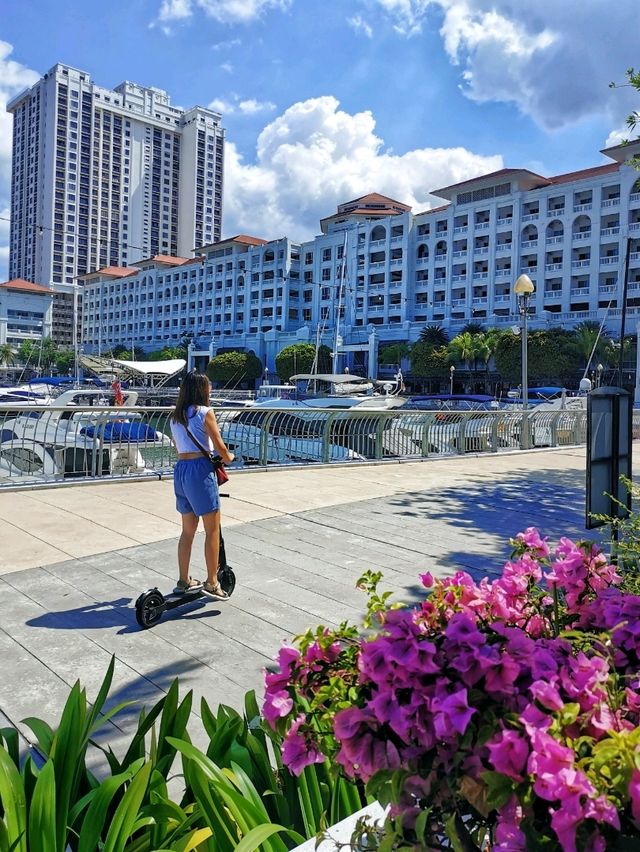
(452,712)
(533,541)
(508,836)
(276,705)
(298,749)
(547,695)
(508,753)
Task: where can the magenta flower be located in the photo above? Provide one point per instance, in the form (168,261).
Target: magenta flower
(452,712)
(298,749)
(533,541)
(634,795)
(508,753)
(277,704)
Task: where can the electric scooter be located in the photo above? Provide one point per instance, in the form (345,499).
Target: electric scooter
(151,604)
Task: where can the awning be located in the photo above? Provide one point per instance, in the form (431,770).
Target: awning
(155,373)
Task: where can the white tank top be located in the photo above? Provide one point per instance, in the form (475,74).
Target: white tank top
(196,415)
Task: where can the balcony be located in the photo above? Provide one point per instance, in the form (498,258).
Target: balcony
(552,267)
(530,217)
(550,241)
(376,243)
(608,288)
(580,264)
(610,232)
(530,270)
(481,250)
(502,273)
(482,226)
(458,303)
(396,261)
(480,276)
(400,238)
(634,198)
(634,226)
(555,211)
(421,261)
(504,246)
(581,208)
(378,264)
(501,299)
(610,202)
(480,300)
(555,294)
(507,221)
(441,256)
(608,261)
(581,235)
(579,291)
(529,244)
(456,279)
(459,254)
(634,255)
(461,229)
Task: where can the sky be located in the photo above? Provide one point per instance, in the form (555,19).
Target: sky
(326,100)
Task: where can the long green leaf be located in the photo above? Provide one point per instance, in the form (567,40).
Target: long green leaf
(43,732)
(101,697)
(95,820)
(67,753)
(42,813)
(127,811)
(14,804)
(212,808)
(258,835)
(10,738)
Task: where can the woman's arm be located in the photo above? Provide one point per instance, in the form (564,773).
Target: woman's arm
(211,426)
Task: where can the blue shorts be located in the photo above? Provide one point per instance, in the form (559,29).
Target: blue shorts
(196,487)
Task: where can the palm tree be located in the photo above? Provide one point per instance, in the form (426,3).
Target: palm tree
(586,337)
(462,349)
(435,335)
(473,328)
(6,354)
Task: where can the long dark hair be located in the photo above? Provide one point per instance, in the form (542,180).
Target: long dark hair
(194,390)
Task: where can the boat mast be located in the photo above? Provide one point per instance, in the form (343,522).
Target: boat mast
(338,340)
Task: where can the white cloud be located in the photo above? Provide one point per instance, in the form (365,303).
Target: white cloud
(227,66)
(315,155)
(223,11)
(13,78)
(359,25)
(234,105)
(553,59)
(226,45)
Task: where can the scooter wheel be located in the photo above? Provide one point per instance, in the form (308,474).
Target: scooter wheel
(149,608)
(227,579)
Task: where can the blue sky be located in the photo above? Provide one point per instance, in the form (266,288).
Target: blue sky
(324,100)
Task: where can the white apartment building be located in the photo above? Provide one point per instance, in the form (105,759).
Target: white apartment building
(107,177)
(378,272)
(25,312)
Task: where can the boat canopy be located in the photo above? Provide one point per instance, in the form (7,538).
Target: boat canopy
(155,373)
(333,378)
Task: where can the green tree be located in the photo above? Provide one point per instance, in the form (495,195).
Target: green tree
(429,362)
(393,353)
(6,354)
(299,358)
(467,349)
(48,352)
(473,328)
(28,352)
(435,335)
(234,367)
(633,119)
(585,336)
(551,356)
(64,360)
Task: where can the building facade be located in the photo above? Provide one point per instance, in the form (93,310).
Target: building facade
(107,177)
(379,270)
(25,312)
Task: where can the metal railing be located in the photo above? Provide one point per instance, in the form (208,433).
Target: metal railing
(48,444)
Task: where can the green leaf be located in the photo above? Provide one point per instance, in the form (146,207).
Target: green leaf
(10,738)
(43,732)
(257,836)
(127,811)
(42,812)
(500,789)
(96,820)
(14,804)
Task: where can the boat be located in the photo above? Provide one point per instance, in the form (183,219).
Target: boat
(56,442)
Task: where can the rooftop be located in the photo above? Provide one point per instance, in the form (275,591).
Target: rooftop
(28,286)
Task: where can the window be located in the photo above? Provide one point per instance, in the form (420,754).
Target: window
(326,254)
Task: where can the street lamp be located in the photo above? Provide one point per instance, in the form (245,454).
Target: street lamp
(524,289)
(599,371)
(452,370)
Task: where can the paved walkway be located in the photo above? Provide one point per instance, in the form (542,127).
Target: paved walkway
(73,561)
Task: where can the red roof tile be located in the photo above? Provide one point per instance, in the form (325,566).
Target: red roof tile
(585,173)
(29,286)
(111,271)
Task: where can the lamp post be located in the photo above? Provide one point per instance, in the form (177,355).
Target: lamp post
(599,370)
(452,370)
(523,289)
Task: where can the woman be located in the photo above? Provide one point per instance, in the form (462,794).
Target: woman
(195,483)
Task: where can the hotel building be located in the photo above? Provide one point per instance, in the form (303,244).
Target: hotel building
(378,273)
(107,177)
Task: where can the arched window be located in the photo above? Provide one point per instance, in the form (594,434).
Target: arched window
(441,248)
(378,233)
(423,251)
(529,233)
(581,225)
(555,229)
(268,256)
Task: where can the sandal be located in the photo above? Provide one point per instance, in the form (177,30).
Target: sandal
(190,585)
(214,590)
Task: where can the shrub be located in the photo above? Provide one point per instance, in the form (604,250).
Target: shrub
(503,715)
(299,358)
(234,367)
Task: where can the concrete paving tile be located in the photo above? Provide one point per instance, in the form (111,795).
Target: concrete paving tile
(20,549)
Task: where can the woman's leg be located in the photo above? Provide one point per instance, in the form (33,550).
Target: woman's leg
(189,527)
(211,522)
